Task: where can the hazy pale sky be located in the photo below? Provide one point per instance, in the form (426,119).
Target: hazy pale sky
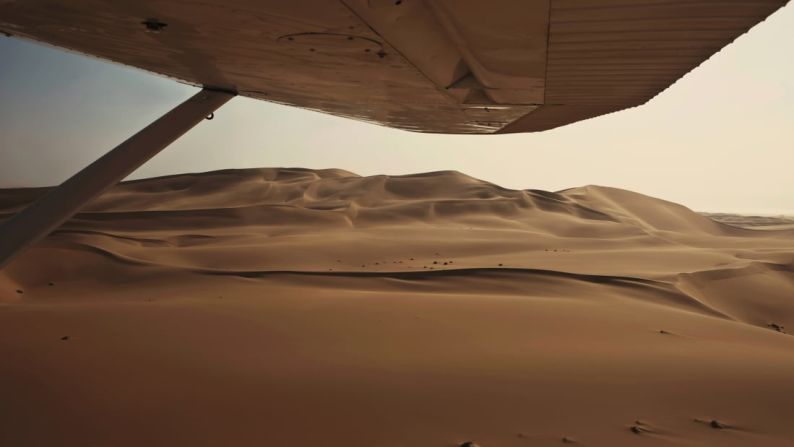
(720,139)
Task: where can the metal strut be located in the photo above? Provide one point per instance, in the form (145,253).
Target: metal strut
(49,212)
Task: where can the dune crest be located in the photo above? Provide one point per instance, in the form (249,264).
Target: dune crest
(307,307)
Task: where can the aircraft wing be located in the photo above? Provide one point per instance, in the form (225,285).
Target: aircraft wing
(443,66)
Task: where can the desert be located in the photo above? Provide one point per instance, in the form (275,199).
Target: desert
(286,306)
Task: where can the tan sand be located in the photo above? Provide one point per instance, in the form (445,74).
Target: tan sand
(290,307)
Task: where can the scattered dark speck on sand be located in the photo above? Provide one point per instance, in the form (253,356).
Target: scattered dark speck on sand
(777,327)
(50,283)
(446,263)
(567,440)
(717,424)
(637,430)
(20,291)
(662,331)
(411,259)
(469,444)
(500,265)
(65,337)
(435,262)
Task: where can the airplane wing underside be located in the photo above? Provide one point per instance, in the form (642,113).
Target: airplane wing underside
(444,66)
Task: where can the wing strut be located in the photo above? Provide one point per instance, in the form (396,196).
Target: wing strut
(58,205)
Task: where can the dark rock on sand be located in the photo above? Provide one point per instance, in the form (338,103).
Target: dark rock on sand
(717,424)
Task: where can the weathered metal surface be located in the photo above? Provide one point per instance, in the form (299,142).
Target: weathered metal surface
(449,66)
(609,55)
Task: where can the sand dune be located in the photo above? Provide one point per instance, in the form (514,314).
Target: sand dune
(297,307)
(780,222)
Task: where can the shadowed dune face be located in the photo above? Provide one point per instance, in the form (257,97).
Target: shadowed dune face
(301,307)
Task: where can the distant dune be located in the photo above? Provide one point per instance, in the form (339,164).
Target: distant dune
(753,221)
(293,307)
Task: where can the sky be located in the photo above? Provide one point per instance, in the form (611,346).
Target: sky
(719,139)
